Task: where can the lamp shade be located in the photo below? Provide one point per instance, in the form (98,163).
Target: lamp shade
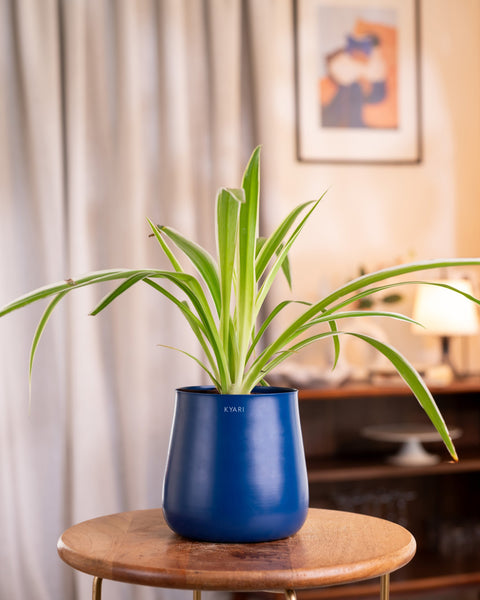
(444,312)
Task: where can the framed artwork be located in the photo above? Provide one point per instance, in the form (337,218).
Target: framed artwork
(357,81)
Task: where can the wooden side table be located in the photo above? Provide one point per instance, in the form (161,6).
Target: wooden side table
(333,547)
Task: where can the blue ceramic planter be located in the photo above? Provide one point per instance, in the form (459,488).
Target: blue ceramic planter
(236,466)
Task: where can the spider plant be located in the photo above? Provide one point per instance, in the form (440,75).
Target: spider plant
(223,301)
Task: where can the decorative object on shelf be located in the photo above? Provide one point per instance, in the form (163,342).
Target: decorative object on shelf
(357,81)
(411,436)
(223,301)
(444,313)
(236,466)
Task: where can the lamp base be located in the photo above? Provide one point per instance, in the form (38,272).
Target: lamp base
(442,374)
(445,372)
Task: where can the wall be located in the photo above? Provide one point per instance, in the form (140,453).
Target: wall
(373,215)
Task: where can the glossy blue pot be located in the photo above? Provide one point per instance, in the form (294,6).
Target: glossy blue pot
(236,466)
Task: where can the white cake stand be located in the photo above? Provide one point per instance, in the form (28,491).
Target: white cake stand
(411,436)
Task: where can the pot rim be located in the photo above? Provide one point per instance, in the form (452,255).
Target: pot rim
(257,390)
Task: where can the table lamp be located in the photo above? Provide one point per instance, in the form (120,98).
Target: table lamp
(445,313)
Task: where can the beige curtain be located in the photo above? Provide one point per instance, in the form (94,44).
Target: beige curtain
(110,111)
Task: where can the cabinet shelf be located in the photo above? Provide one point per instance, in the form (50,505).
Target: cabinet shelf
(392,388)
(321,469)
(349,472)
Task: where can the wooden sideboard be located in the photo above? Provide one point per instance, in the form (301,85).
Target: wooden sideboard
(439,503)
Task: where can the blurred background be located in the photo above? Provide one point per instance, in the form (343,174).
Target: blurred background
(115,111)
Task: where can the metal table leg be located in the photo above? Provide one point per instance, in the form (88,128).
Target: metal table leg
(289,594)
(385,587)
(97,588)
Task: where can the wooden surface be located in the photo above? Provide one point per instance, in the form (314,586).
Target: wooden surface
(332,547)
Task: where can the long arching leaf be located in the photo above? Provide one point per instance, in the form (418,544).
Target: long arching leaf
(416,384)
(38,334)
(202,261)
(357,314)
(65,285)
(408,373)
(390,272)
(343,294)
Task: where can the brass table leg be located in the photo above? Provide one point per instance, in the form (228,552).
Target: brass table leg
(290,595)
(197,594)
(97,588)
(385,587)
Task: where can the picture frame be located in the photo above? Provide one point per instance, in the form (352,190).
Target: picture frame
(357,80)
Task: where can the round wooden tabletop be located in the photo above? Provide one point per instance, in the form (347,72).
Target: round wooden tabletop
(332,547)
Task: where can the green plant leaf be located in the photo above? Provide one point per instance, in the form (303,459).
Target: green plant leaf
(194,291)
(401,364)
(38,334)
(336,342)
(269,279)
(60,286)
(124,286)
(269,319)
(221,303)
(196,325)
(388,273)
(169,254)
(360,314)
(343,295)
(416,384)
(246,282)
(261,241)
(228,211)
(274,243)
(285,266)
(202,261)
(262,368)
(198,361)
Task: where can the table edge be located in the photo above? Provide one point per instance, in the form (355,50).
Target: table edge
(238,581)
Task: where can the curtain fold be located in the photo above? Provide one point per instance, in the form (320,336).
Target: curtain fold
(110,112)
(32,443)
